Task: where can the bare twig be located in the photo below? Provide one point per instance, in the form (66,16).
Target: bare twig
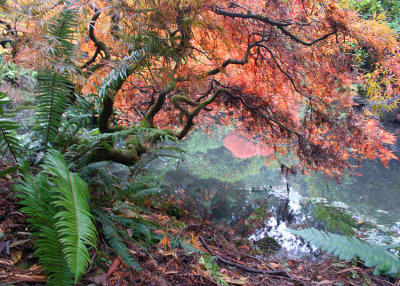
(186,228)
(240,266)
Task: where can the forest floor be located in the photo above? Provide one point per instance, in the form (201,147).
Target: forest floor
(233,261)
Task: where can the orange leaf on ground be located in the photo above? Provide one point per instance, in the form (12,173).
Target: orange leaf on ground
(113,266)
(165,242)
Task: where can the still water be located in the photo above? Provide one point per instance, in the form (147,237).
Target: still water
(211,182)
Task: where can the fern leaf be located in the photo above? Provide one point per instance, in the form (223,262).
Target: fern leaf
(347,248)
(108,218)
(52,103)
(62,33)
(190,248)
(74,222)
(119,246)
(78,116)
(144,193)
(119,74)
(8,141)
(36,194)
(53,87)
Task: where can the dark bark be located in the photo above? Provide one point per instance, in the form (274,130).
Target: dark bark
(148,120)
(100,46)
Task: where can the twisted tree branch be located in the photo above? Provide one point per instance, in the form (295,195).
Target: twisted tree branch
(281,25)
(100,46)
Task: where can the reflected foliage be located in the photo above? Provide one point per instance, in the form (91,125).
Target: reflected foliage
(335,219)
(208,159)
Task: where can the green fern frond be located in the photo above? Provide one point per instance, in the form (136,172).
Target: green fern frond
(52,102)
(128,222)
(347,248)
(190,248)
(50,252)
(53,87)
(119,74)
(109,218)
(144,193)
(77,116)
(119,246)
(74,222)
(110,86)
(8,141)
(37,194)
(142,229)
(62,32)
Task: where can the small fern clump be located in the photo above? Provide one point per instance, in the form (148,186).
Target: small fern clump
(77,117)
(56,202)
(347,248)
(36,198)
(114,229)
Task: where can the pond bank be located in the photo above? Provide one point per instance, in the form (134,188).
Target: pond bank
(171,264)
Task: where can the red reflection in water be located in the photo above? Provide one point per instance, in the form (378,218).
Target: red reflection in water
(243,148)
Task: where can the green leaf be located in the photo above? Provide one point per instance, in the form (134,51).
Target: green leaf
(62,33)
(75,225)
(53,87)
(119,246)
(347,248)
(51,104)
(37,193)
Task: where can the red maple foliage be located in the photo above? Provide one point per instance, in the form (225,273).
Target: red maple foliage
(281,71)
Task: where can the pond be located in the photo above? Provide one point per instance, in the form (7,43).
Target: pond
(214,184)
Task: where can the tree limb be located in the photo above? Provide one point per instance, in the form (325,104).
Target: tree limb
(281,25)
(265,19)
(176,99)
(148,120)
(293,37)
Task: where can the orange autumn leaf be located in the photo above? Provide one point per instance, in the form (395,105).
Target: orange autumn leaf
(165,243)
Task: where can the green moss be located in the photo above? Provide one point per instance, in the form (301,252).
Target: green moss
(268,244)
(335,219)
(134,143)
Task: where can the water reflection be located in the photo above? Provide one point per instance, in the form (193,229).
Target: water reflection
(211,182)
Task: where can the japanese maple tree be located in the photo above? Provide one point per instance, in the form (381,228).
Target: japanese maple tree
(282,72)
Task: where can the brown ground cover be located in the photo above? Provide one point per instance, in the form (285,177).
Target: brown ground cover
(164,265)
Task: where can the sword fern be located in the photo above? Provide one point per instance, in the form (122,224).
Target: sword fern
(347,248)
(57,204)
(54,85)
